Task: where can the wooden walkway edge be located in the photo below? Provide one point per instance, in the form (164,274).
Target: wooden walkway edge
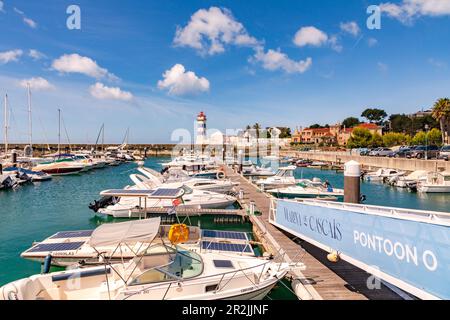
(321,279)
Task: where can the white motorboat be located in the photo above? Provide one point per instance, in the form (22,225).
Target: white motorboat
(283,178)
(132,201)
(68,248)
(382,174)
(155,179)
(250,170)
(8,181)
(437,182)
(159,273)
(308,189)
(60,168)
(410,180)
(35,176)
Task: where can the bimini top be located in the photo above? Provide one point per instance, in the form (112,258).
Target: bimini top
(125,232)
(158,193)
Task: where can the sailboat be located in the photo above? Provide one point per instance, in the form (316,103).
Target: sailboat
(61,166)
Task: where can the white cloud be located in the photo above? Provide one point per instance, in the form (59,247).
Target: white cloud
(35,54)
(179,82)
(9,56)
(372,42)
(74,63)
(408,10)
(102,92)
(276,60)
(2,6)
(335,44)
(382,67)
(38,83)
(208,31)
(437,63)
(350,27)
(310,36)
(29,22)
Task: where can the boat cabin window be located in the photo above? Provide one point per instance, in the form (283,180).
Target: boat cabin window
(180,265)
(203,184)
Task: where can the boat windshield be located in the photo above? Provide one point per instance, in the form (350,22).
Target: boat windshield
(169,266)
(186,189)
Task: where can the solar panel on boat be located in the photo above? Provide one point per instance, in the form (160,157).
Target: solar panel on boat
(165,193)
(72,234)
(223,264)
(224,234)
(44,247)
(231,247)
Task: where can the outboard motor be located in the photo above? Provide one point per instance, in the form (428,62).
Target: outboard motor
(103,203)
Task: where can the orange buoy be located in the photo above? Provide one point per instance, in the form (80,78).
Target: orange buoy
(178,233)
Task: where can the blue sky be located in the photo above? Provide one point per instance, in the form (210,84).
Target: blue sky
(154,65)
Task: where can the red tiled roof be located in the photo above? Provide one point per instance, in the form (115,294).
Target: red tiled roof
(368,126)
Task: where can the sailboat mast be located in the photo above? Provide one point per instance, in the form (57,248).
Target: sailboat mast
(103,139)
(30,121)
(59,132)
(6,124)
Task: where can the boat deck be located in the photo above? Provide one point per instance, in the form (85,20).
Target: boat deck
(321,279)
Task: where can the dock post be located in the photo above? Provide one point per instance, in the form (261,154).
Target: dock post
(14,157)
(352,180)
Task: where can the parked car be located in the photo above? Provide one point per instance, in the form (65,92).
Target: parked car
(419,152)
(380,152)
(400,153)
(445,153)
(373,152)
(362,151)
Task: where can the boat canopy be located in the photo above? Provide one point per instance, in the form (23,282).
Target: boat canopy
(125,232)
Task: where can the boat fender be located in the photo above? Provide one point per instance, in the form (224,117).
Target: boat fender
(363,198)
(47,264)
(220,175)
(333,257)
(178,233)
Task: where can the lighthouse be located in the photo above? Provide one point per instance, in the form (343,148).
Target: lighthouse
(201,129)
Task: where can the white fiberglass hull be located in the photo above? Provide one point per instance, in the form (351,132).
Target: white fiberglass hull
(433,189)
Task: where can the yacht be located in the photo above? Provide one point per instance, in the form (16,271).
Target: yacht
(126,205)
(409,181)
(437,182)
(160,272)
(35,176)
(251,170)
(155,179)
(60,168)
(382,174)
(284,177)
(68,248)
(308,189)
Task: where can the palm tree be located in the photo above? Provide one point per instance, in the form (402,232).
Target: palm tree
(441,112)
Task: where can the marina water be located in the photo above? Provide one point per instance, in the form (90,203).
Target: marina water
(36,211)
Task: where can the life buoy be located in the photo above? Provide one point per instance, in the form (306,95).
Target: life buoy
(178,233)
(220,175)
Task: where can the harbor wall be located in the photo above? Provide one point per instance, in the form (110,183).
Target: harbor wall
(374,162)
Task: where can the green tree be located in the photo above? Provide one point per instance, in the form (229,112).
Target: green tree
(351,122)
(396,139)
(419,139)
(360,138)
(285,133)
(434,137)
(257,128)
(376,141)
(441,112)
(374,115)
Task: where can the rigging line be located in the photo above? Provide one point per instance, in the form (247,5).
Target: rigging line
(43,130)
(67,135)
